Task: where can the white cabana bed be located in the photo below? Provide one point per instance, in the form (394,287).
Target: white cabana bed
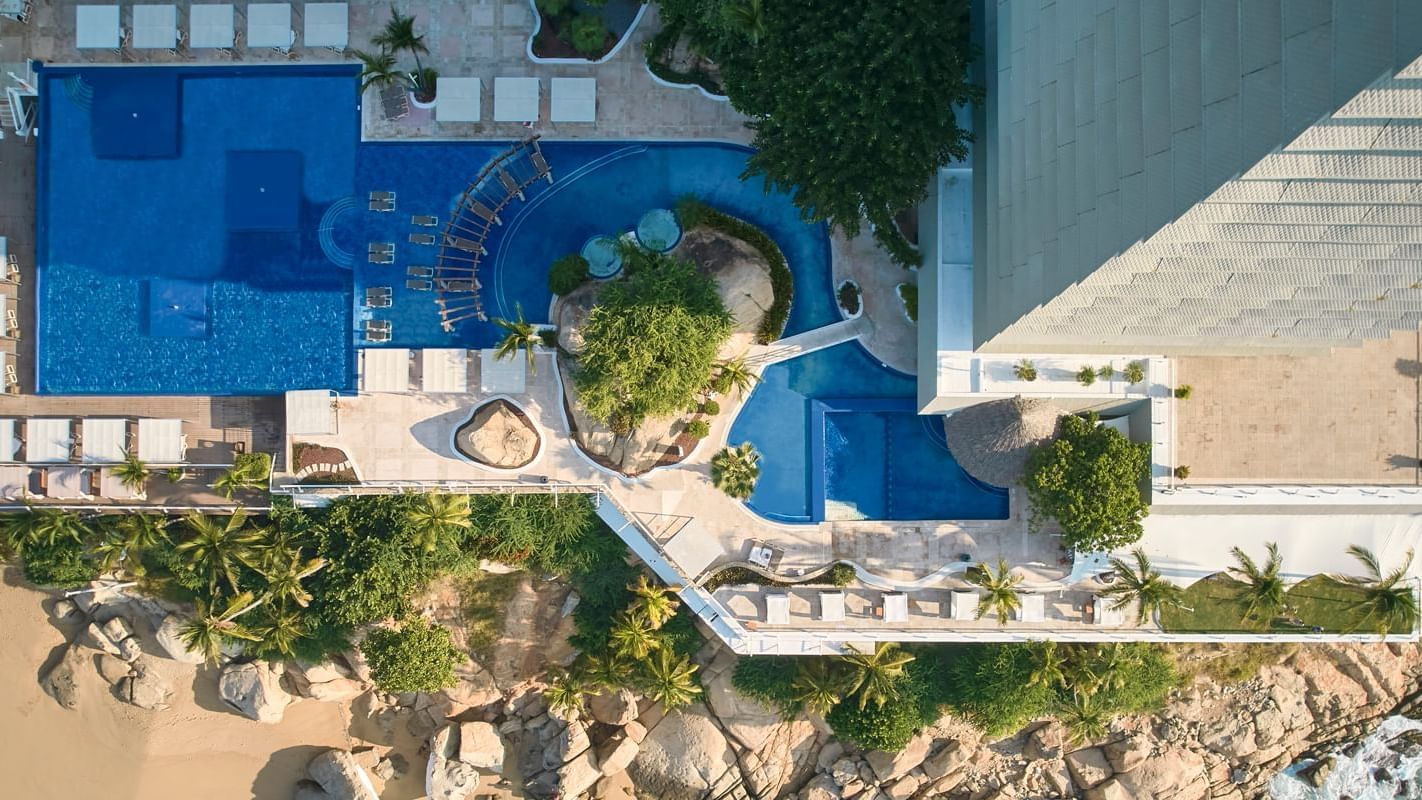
(327,25)
(502,376)
(211,25)
(964,604)
(105,441)
(310,412)
(572,100)
(1034,608)
(444,370)
(895,607)
(831,606)
(14,482)
(155,27)
(777,609)
(111,486)
(161,441)
(97,27)
(516,99)
(9,442)
(67,483)
(1105,614)
(458,99)
(385,370)
(49,441)
(269,25)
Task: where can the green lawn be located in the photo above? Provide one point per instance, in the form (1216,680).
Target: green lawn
(1215,606)
(483,598)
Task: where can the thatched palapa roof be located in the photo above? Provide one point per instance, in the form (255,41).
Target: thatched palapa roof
(992,440)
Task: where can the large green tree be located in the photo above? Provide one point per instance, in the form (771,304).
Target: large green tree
(1089,480)
(416,657)
(852,103)
(650,342)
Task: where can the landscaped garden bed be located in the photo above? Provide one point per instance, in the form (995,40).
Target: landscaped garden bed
(672,60)
(585,30)
(1217,604)
(317,464)
(850,301)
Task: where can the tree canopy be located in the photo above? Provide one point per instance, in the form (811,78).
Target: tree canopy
(852,103)
(1089,480)
(650,342)
(418,657)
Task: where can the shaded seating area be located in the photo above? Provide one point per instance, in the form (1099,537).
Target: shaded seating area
(573,100)
(103,441)
(385,370)
(444,370)
(459,99)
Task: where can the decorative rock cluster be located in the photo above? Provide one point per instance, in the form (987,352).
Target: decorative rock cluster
(105,642)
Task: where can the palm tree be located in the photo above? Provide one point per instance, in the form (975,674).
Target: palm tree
(1109,666)
(747,17)
(608,671)
(672,679)
(735,470)
(1144,586)
(519,333)
(240,476)
(655,603)
(1001,590)
(399,34)
(132,472)
(1389,601)
(565,693)
(378,69)
(216,549)
(818,686)
(284,578)
(1083,717)
(210,629)
(874,675)
(1264,588)
(735,374)
(435,515)
(43,525)
(126,541)
(633,637)
(281,631)
(1048,671)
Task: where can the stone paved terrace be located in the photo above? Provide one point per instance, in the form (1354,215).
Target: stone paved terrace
(1348,417)
(476,38)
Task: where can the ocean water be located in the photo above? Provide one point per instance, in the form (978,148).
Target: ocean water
(1357,776)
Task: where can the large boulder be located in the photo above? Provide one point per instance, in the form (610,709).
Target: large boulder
(946,761)
(1046,742)
(786,759)
(498,435)
(1175,772)
(747,720)
(341,777)
(683,757)
(446,777)
(481,746)
(145,688)
(254,691)
(888,766)
(616,753)
(169,639)
(474,686)
(614,707)
(62,680)
(335,691)
(93,636)
(1126,754)
(1088,766)
(578,775)
(112,669)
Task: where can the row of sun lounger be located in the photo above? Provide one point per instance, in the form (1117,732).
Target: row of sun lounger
(211,26)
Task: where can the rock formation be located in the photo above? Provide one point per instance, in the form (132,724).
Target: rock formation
(253,690)
(498,435)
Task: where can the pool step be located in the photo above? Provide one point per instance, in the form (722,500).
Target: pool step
(326,233)
(79,92)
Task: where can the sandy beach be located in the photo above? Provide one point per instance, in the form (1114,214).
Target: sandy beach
(194,749)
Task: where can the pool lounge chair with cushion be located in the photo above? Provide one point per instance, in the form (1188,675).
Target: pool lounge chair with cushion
(395,101)
(378,297)
(468,246)
(419,285)
(381,247)
(424,220)
(378,330)
(420,272)
(451,285)
(422,238)
(12,380)
(382,258)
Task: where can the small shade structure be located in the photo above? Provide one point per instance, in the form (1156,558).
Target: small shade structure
(155,26)
(110,486)
(49,441)
(516,99)
(269,25)
(1034,608)
(160,441)
(458,99)
(97,26)
(831,606)
(572,100)
(67,483)
(310,412)
(444,370)
(502,375)
(963,605)
(105,440)
(9,442)
(777,609)
(384,369)
(1106,615)
(991,441)
(895,607)
(211,25)
(14,482)
(327,25)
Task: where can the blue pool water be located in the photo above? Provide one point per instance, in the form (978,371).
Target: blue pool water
(839,439)
(203,230)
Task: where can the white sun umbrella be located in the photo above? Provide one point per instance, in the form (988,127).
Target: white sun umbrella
(9,442)
(444,370)
(895,607)
(964,604)
(777,609)
(831,606)
(49,440)
(1034,608)
(104,440)
(160,441)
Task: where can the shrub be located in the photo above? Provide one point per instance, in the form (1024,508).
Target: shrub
(61,564)
(908,293)
(849,298)
(417,657)
(991,685)
(1182,472)
(554,8)
(1086,376)
(1183,391)
(698,429)
(1089,480)
(1106,373)
(782,281)
(589,34)
(567,274)
(877,727)
(769,679)
(549,337)
(841,574)
(711,408)
(657,50)
(1134,372)
(1025,370)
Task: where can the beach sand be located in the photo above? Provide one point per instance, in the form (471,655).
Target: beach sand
(117,751)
